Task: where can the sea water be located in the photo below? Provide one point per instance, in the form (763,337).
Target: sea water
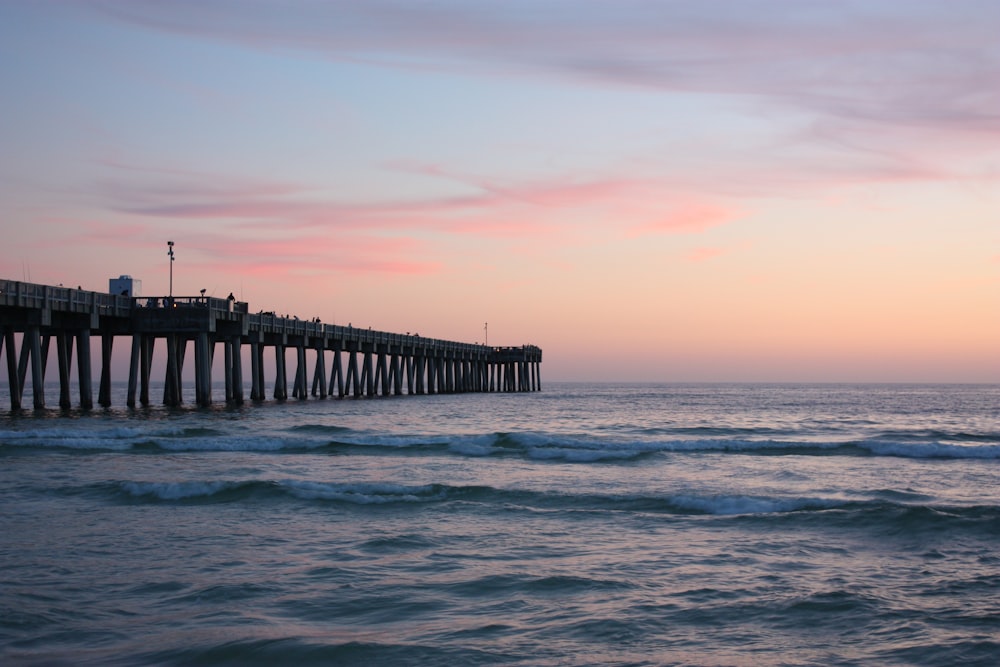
(586,524)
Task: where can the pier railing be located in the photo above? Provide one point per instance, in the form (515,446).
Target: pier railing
(64,299)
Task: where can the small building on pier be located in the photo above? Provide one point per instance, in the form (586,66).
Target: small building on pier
(125,286)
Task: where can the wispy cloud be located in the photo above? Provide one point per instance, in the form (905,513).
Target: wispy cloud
(920,63)
(854,92)
(485,208)
(686,217)
(279,253)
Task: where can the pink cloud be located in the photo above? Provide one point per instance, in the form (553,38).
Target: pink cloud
(686,217)
(487,207)
(317,254)
(274,251)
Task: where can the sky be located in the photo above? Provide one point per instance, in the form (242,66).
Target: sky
(685,190)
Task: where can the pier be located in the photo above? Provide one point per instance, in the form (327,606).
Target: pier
(362,362)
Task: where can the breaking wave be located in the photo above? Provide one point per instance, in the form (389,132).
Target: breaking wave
(528,445)
(895,508)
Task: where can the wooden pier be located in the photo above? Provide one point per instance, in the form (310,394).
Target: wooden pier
(363,363)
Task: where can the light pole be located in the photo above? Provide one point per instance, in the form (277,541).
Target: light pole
(486,333)
(170,253)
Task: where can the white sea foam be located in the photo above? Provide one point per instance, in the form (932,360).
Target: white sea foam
(581,455)
(722,504)
(232,443)
(481,445)
(114,438)
(174,490)
(926,450)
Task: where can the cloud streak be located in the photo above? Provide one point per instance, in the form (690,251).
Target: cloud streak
(923,63)
(487,209)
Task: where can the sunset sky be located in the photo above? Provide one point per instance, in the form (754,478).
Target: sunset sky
(745,190)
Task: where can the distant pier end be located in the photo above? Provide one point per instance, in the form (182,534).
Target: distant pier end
(362,362)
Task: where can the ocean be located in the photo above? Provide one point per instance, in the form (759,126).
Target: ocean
(586,524)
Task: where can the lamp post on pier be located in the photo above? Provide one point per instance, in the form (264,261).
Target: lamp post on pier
(170,253)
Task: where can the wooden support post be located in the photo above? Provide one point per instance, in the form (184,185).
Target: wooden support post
(369,376)
(227,371)
(319,374)
(237,369)
(365,370)
(182,342)
(256,361)
(431,363)
(297,380)
(83,371)
(300,391)
(23,359)
(203,370)
(379,372)
(104,393)
(172,382)
(37,368)
(383,373)
(419,364)
(395,371)
(63,352)
(46,340)
(133,369)
(337,374)
(145,364)
(432,373)
(12,377)
(353,379)
(281,378)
